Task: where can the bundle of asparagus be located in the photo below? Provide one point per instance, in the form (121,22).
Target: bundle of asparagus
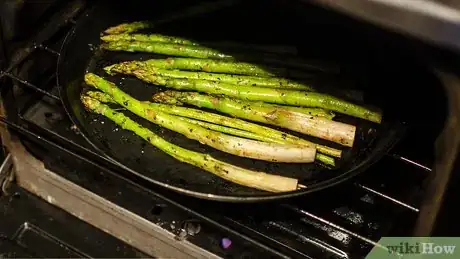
(214,80)
(168,68)
(254,179)
(279,96)
(226,143)
(297,121)
(234,127)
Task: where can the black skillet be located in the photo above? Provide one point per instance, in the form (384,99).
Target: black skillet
(80,54)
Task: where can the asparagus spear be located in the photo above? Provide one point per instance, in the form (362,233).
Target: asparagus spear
(253,179)
(194,51)
(147,38)
(270,82)
(205,65)
(234,145)
(279,96)
(315,126)
(246,134)
(182,41)
(165,49)
(318,112)
(265,132)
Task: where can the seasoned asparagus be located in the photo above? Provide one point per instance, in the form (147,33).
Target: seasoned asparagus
(270,82)
(242,176)
(178,40)
(279,96)
(165,49)
(246,134)
(265,132)
(205,65)
(319,112)
(147,38)
(315,126)
(194,51)
(234,145)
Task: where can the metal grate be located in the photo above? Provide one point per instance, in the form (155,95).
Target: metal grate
(345,222)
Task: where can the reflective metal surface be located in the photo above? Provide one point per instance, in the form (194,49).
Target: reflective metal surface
(437,22)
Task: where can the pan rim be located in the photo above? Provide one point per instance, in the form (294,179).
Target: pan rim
(331,182)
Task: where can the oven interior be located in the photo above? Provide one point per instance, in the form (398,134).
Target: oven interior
(345,221)
(340,72)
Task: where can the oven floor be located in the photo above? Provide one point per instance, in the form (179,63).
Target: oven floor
(30,228)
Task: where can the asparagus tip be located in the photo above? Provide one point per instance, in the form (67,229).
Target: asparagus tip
(110,69)
(105,37)
(90,78)
(128,27)
(89,103)
(117,29)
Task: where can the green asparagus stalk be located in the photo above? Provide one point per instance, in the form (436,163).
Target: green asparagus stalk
(147,38)
(317,112)
(165,49)
(270,82)
(182,41)
(279,96)
(100,96)
(205,65)
(315,126)
(230,144)
(275,136)
(194,51)
(242,176)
